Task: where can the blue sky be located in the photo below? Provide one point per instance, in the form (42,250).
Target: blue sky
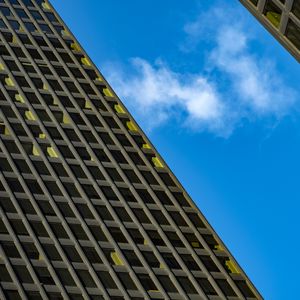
(219,98)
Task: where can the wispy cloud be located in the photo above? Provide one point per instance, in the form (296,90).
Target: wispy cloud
(254,89)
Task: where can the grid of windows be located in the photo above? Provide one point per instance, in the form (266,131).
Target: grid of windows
(281,18)
(89,210)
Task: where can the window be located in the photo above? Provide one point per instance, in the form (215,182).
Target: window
(273,13)
(293,33)
(206,286)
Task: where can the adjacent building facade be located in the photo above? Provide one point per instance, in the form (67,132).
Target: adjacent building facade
(281,18)
(89,210)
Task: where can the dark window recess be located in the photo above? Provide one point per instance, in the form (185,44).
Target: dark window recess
(245,289)
(92,255)
(65,151)
(66,58)
(159,217)
(59,230)
(46,208)
(190,262)
(123,140)
(36,15)
(122,214)
(109,193)
(55,85)
(98,233)
(132,177)
(225,287)
(210,240)
(39,229)
(209,264)
(117,235)
(163,197)
(145,196)
(22,82)
(65,210)
(44,276)
(196,220)
(104,213)
(106,280)
(90,191)
(127,195)
(141,216)
(78,232)
(170,261)
(97,174)
(206,286)
(132,258)
(136,158)
(40,41)
(177,218)
(50,56)
(30,250)
(10,249)
(118,156)
(29,26)
(83,153)
(3,50)
(77,119)
(111,122)
(34,54)
(136,236)
(151,259)
(156,238)
(60,71)
(101,155)
(181,199)
(78,172)
(107,140)
(26,206)
(187,285)
(147,282)
(174,239)
(23,274)
(71,87)
(293,32)
(84,211)
(46,71)
(86,279)
(56,43)
(88,88)
(71,189)
(14,185)
(166,178)
(59,169)
(149,177)
(65,277)
(167,284)
(5,277)
(113,174)
(10,64)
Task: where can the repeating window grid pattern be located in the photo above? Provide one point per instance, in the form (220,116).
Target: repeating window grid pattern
(132,188)
(279,17)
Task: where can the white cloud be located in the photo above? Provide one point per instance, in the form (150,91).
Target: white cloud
(158,93)
(199,101)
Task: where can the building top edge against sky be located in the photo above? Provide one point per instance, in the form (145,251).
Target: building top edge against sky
(281,18)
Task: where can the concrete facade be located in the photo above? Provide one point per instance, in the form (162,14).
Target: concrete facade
(89,209)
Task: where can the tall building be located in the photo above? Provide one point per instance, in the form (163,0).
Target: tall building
(89,210)
(281,18)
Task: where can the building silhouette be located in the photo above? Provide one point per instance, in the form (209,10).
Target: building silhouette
(281,18)
(89,210)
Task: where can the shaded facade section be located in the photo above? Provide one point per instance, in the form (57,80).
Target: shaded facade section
(89,210)
(281,18)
